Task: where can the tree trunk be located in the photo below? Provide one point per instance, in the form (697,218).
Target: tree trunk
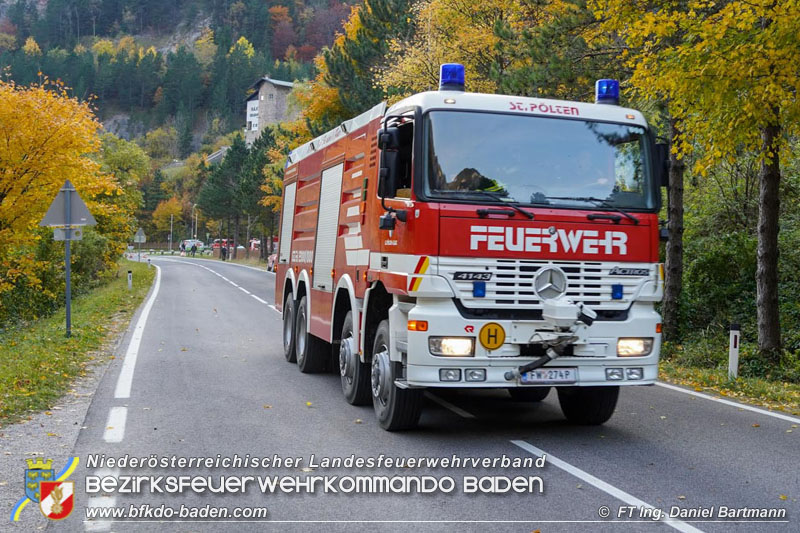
(769,326)
(247,240)
(673,281)
(235,235)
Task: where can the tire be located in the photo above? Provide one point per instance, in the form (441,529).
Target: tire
(312,357)
(526,394)
(395,408)
(288,329)
(588,406)
(355,374)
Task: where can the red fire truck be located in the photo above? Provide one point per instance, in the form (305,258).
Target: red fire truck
(475,240)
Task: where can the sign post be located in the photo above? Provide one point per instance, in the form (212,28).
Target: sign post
(140,238)
(66,215)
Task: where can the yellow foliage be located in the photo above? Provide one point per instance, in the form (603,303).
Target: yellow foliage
(103,47)
(243,46)
(47,137)
(727,70)
(31,47)
(163,211)
(449,31)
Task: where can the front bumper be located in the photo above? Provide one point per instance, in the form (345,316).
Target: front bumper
(594,352)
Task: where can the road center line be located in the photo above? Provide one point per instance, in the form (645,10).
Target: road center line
(746,407)
(447,405)
(273,308)
(115,426)
(244,290)
(123,389)
(259,299)
(600,484)
(99,501)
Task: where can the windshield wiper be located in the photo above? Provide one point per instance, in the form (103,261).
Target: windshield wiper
(597,201)
(512,204)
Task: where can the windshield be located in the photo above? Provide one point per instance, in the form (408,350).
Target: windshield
(536,160)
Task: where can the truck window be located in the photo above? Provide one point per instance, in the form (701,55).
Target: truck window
(538,160)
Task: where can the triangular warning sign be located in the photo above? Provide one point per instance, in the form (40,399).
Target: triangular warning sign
(57,214)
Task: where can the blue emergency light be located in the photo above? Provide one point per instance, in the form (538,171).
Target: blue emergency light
(451,77)
(616,291)
(479,289)
(606,92)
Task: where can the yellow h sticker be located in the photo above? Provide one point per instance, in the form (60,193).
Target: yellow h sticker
(492,336)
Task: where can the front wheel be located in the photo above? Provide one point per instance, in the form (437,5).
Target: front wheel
(288,329)
(395,408)
(588,406)
(355,374)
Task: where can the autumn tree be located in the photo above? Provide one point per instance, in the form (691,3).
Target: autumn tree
(731,79)
(46,136)
(166,212)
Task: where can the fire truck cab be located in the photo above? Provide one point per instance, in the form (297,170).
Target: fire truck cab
(474,240)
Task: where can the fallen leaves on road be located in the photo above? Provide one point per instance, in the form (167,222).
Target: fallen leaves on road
(359,421)
(184,349)
(681,497)
(663,417)
(783,497)
(267,406)
(756,425)
(309,404)
(52,435)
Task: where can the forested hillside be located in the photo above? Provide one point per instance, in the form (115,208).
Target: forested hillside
(180,61)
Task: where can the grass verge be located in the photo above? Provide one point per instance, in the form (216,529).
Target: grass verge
(39,362)
(777,395)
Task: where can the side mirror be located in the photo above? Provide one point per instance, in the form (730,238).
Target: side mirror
(389,143)
(662,164)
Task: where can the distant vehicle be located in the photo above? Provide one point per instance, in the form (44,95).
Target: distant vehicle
(221,242)
(188,244)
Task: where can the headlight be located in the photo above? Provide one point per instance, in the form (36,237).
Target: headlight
(452,346)
(634,347)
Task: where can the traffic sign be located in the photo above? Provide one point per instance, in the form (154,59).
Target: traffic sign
(68,209)
(60,234)
(140,236)
(66,215)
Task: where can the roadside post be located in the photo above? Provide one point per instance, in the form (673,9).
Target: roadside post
(130,279)
(733,352)
(139,238)
(67,215)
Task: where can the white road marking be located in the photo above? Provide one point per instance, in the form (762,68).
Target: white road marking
(746,407)
(263,270)
(123,389)
(100,501)
(274,308)
(600,484)
(447,405)
(244,290)
(115,426)
(234,284)
(259,299)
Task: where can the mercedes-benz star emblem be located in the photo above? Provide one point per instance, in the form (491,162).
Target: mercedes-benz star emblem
(550,282)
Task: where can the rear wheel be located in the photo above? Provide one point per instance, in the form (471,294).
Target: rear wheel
(310,351)
(288,329)
(395,408)
(588,406)
(355,374)
(532,394)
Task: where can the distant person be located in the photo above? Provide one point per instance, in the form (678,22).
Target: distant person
(223,252)
(183,246)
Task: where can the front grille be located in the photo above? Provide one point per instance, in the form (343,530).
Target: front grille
(511,284)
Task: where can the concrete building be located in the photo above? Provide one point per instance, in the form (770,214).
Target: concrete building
(267,104)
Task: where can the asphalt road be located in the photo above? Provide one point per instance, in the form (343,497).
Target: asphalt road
(210,378)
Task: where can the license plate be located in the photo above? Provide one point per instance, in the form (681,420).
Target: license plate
(550,375)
